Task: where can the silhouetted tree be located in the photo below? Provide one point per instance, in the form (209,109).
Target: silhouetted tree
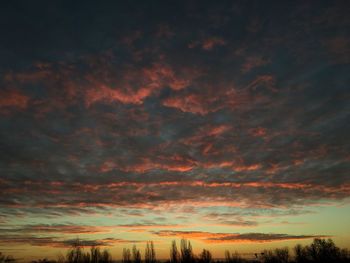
(320,251)
(282,254)
(60,258)
(6,259)
(106,257)
(186,252)
(268,257)
(279,255)
(233,258)
(95,254)
(43,260)
(205,256)
(76,255)
(150,254)
(86,257)
(126,257)
(136,255)
(174,253)
(301,254)
(344,255)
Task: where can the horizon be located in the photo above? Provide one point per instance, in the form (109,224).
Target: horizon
(225,123)
(229,255)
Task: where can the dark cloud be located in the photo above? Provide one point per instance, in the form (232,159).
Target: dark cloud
(133,109)
(141,194)
(260,237)
(56,228)
(232,237)
(58,242)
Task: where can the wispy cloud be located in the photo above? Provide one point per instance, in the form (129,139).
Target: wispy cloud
(232,237)
(213,115)
(59,242)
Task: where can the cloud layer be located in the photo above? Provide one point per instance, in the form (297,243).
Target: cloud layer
(203,115)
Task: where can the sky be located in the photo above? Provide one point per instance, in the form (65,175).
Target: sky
(223,122)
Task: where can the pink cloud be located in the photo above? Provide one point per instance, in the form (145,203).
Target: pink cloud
(208,43)
(13,99)
(190,103)
(109,95)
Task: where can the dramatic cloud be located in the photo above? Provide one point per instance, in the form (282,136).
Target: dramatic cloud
(121,119)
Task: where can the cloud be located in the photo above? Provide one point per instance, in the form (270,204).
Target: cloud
(208,43)
(191,103)
(260,237)
(57,228)
(213,99)
(219,117)
(136,83)
(109,95)
(62,197)
(231,238)
(13,99)
(253,62)
(175,164)
(58,242)
(148,226)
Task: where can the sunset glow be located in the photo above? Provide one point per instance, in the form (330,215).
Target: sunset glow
(223,122)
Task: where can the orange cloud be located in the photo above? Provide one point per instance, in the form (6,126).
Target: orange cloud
(13,99)
(107,94)
(190,103)
(258,132)
(145,164)
(240,168)
(161,75)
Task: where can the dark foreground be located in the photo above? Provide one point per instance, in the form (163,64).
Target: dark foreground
(319,251)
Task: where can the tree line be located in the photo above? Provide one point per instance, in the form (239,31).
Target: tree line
(319,251)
